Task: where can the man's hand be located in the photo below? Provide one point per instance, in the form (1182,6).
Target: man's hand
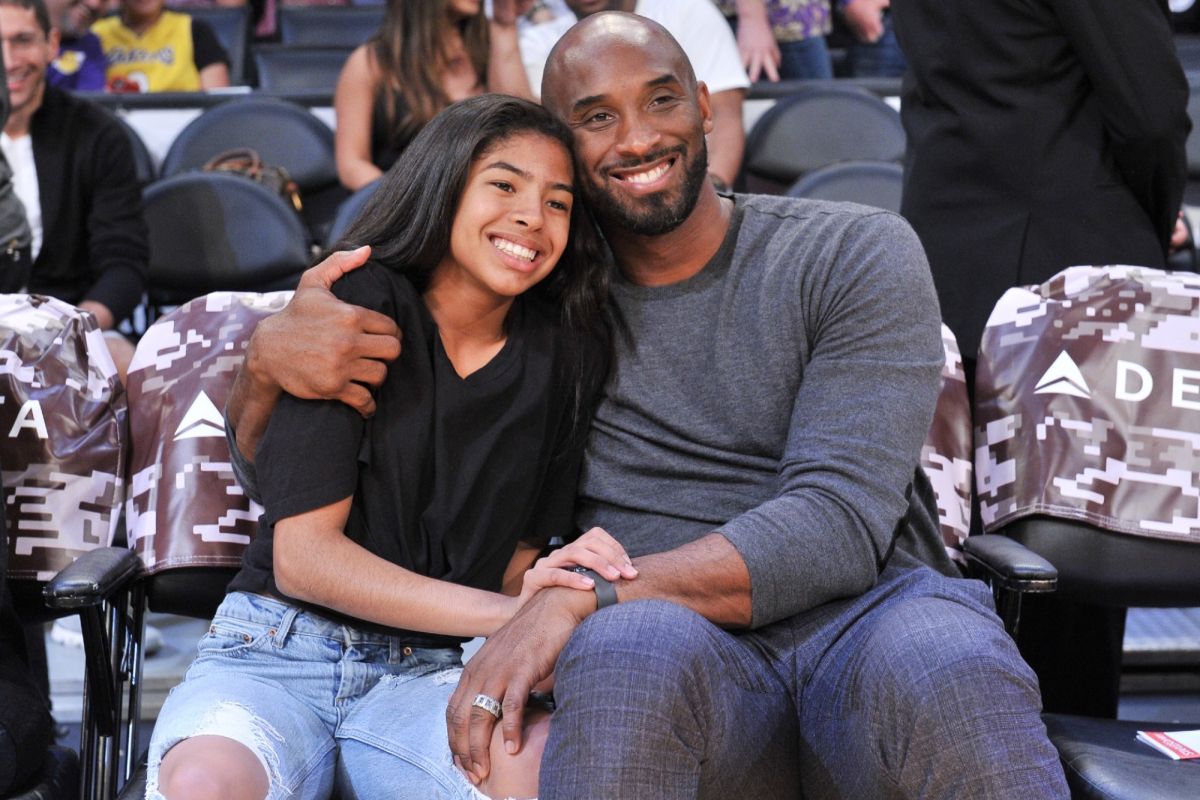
(511,662)
(321,348)
(865,19)
(756,43)
(506,12)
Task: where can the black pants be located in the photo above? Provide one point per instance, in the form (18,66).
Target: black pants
(25,724)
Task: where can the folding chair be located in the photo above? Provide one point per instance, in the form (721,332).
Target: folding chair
(63,449)
(821,124)
(1087,414)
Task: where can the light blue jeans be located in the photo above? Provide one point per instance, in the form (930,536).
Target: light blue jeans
(308,696)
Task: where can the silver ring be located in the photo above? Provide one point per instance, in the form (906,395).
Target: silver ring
(489,704)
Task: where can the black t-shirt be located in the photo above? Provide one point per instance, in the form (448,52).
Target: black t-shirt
(450,472)
(206,47)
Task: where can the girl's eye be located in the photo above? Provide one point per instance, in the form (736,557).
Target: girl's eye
(558,205)
(503,186)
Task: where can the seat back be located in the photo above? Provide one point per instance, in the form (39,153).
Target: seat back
(1087,413)
(284,134)
(946,454)
(299,69)
(143,163)
(348,212)
(187,517)
(817,126)
(231,24)
(318,26)
(62,435)
(211,231)
(872,183)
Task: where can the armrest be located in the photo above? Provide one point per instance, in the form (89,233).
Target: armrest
(1010,565)
(92,578)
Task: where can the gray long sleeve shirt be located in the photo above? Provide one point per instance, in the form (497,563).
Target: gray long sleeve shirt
(781,397)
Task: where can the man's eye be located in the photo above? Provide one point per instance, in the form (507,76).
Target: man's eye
(600,117)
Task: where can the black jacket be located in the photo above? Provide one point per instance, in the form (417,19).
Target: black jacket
(1042,134)
(93,236)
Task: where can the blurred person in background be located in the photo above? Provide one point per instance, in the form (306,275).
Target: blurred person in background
(80,63)
(781,39)
(426,55)
(26,727)
(151,49)
(73,169)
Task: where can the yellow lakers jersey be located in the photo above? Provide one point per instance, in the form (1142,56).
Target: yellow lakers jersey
(160,60)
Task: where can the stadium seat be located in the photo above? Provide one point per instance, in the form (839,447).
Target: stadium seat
(284,68)
(284,134)
(231,24)
(64,462)
(1087,455)
(348,211)
(189,520)
(820,125)
(212,231)
(872,183)
(143,162)
(319,26)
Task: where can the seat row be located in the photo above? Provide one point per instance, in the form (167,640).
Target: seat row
(1081,444)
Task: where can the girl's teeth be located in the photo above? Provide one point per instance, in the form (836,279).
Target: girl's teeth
(514,249)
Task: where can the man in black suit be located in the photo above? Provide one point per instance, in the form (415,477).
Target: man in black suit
(1042,134)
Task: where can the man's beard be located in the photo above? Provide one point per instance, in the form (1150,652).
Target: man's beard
(654,214)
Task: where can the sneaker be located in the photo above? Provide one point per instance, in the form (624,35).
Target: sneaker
(68,632)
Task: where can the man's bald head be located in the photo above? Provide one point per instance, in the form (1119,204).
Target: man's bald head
(603,44)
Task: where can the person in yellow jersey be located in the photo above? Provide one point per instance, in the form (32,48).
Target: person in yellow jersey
(151,49)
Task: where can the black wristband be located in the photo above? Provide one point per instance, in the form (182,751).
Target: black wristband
(606,593)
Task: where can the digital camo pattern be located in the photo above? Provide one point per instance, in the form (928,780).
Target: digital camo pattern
(1088,402)
(63,423)
(946,455)
(185,506)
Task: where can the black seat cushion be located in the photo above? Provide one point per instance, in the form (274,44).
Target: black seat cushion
(1105,761)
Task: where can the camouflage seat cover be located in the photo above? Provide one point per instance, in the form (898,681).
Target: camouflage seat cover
(946,454)
(1088,403)
(185,507)
(63,422)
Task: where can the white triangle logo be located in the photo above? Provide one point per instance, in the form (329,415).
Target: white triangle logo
(1063,377)
(201,420)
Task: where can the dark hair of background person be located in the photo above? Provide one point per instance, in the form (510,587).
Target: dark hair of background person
(408,51)
(39,12)
(408,220)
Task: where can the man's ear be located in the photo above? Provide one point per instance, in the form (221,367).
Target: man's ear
(704,101)
(54,42)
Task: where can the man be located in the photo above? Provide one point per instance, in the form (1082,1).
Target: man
(79,65)
(25,724)
(1042,134)
(709,44)
(756,450)
(74,171)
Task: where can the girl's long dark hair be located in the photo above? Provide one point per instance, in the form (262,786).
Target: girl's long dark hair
(408,52)
(407,222)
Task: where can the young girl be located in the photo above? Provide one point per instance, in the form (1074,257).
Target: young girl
(426,55)
(385,543)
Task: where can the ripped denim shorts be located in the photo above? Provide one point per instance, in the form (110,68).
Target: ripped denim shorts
(281,681)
